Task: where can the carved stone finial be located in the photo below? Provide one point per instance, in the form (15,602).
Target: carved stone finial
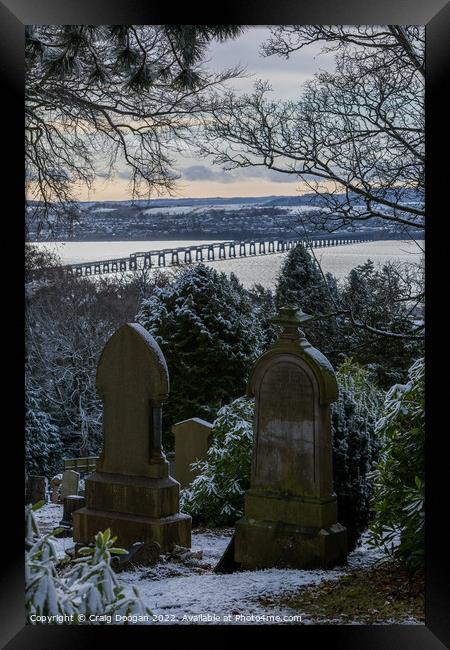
(290,318)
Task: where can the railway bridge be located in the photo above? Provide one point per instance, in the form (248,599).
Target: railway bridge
(204,252)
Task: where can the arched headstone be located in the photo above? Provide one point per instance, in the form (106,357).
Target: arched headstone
(131,492)
(290,517)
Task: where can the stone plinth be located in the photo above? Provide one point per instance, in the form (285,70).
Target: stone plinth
(131,492)
(290,517)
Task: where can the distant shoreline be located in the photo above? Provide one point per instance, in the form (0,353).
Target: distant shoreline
(201,236)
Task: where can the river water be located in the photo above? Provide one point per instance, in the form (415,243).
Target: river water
(262,269)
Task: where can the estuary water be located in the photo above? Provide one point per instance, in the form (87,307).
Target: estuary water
(262,269)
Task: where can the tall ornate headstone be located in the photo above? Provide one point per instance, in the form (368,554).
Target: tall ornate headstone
(131,491)
(290,517)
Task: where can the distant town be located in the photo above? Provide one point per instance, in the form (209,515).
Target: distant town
(211,218)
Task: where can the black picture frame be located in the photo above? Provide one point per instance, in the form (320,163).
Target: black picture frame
(14,15)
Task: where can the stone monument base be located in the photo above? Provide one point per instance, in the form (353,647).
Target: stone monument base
(135,508)
(167,531)
(262,544)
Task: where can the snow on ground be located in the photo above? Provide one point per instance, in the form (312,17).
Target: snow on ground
(364,555)
(48,517)
(193,590)
(185,590)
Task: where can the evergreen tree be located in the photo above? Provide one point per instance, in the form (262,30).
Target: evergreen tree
(263,300)
(377,296)
(208,333)
(43,445)
(300,283)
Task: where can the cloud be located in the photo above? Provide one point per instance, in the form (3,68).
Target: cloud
(203,173)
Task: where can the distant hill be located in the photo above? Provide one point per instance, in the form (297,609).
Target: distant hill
(187,218)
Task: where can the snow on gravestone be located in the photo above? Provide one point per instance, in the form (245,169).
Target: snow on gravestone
(131,491)
(290,516)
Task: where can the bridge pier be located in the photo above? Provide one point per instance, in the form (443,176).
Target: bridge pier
(187,256)
(222,254)
(175,258)
(242,249)
(231,250)
(271,246)
(199,254)
(252,250)
(147,260)
(161,258)
(211,253)
(262,247)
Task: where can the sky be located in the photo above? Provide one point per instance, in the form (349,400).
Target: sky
(199,177)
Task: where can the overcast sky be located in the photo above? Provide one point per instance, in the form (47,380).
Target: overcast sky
(199,177)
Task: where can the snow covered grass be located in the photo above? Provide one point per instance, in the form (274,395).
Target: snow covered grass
(184,590)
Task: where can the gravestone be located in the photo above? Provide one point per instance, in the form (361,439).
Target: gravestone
(290,517)
(69,485)
(131,491)
(191,444)
(71,502)
(36,489)
(55,484)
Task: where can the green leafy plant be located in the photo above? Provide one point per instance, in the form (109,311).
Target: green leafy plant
(399,496)
(87,587)
(356,446)
(216,495)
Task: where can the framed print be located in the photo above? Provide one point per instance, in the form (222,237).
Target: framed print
(230,408)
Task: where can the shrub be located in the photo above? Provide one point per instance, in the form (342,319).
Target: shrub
(88,587)
(398,500)
(216,495)
(356,446)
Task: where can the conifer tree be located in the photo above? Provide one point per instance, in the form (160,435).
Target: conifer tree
(43,444)
(301,284)
(206,327)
